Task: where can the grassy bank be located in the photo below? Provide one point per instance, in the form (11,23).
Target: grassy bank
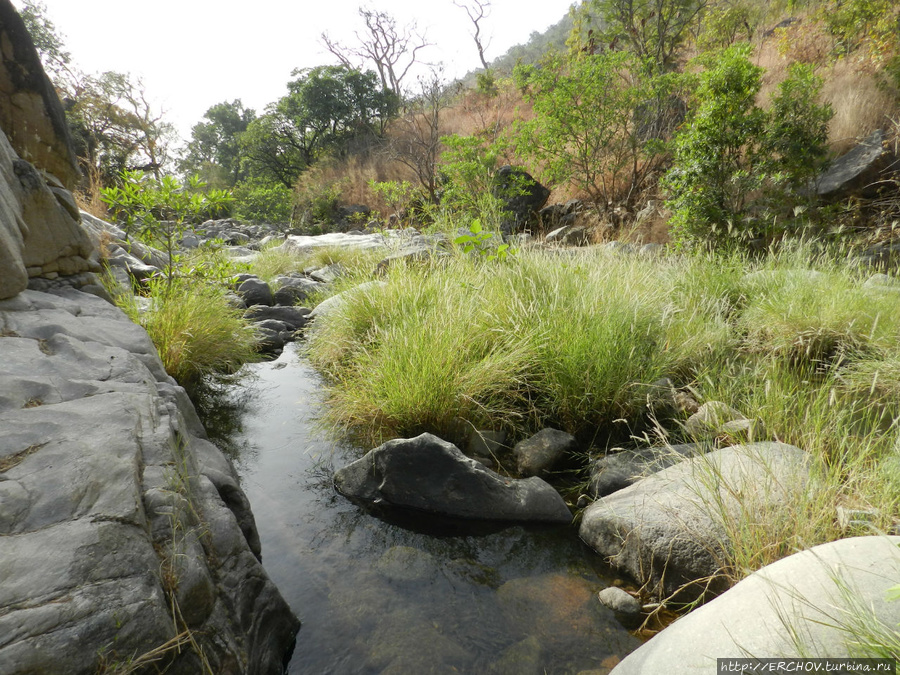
(575,340)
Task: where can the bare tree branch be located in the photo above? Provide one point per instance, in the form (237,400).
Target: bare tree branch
(477,10)
(391,48)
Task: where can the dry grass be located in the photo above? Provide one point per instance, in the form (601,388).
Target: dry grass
(860,105)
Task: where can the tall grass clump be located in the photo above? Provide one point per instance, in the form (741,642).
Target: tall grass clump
(274,261)
(817,360)
(195,330)
(521,344)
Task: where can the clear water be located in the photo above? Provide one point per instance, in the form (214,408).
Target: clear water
(412,596)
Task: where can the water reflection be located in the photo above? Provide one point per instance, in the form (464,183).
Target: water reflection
(395,593)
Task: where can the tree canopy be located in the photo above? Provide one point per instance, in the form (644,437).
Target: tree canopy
(326,107)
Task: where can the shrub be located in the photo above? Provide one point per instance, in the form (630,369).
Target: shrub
(260,201)
(737,167)
(589,125)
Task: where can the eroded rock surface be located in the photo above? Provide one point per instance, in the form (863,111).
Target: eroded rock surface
(114,508)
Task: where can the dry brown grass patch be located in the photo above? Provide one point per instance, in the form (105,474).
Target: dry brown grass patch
(860,105)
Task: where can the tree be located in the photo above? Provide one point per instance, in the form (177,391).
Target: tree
(654,30)
(325,109)
(162,207)
(415,138)
(392,49)
(215,146)
(114,126)
(587,126)
(47,40)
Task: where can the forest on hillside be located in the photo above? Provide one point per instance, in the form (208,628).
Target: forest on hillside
(721,110)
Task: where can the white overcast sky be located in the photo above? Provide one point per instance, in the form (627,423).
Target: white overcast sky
(192,54)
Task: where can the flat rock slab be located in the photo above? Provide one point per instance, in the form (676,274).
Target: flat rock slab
(797,605)
(431,475)
(300,244)
(667,530)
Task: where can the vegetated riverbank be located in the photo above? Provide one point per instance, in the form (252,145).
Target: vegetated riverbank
(806,345)
(620,348)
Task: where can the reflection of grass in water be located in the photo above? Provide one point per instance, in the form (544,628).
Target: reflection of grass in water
(221,405)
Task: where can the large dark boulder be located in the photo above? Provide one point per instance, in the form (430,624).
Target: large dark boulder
(31,114)
(254,291)
(431,475)
(857,172)
(522,197)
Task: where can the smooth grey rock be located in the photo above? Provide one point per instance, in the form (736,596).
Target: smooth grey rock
(485,442)
(618,247)
(293,290)
(618,470)
(620,601)
(190,241)
(809,595)
(432,475)
(710,419)
(104,464)
(412,254)
(538,455)
(856,171)
(652,250)
(335,302)
(300,244)
(666,530)
(256,292)
(882,281)
(328,274)
(236,238)
(269,341)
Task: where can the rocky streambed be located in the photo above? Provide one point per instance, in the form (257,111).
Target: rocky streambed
(407,594)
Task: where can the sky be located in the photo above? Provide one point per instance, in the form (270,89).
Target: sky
(192,54)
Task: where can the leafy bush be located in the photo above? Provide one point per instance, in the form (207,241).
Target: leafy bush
(468,165)
(735,165)
(159,210)
(590,126)
(260,201)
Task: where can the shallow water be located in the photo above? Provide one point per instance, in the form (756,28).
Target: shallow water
(407,595)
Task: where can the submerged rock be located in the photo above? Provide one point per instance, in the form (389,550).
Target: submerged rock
(432,475)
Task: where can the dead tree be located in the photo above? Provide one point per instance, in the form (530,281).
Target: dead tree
(391,48)
(477,10)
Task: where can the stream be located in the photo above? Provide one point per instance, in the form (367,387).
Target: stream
(415,596)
